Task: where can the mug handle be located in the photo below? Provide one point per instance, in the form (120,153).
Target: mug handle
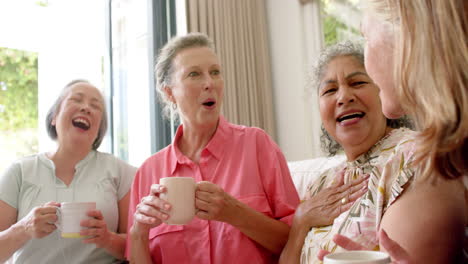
(58,223)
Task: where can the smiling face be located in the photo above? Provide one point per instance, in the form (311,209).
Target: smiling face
(78,119)
(350,106)
(197,86)
(379,62)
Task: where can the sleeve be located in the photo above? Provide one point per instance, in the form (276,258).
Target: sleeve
(140,188)
(126,174)
(399,171)
(10,185)
(279,187)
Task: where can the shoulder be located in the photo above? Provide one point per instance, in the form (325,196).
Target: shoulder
(398,138)
(251,136)
(26,168)
(159,156)
(397,149)
(401,139)
(241,129)
(255,133)
(27,163)
(432,212)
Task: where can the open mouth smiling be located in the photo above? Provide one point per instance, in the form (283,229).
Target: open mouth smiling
(350,116)
(81,123)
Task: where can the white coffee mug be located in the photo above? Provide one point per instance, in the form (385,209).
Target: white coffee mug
(181,195)
(69,217)
(358,257)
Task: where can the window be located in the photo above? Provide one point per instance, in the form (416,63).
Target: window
(340,20)
(55,44)
(18,105)
(138,29)
(113,46)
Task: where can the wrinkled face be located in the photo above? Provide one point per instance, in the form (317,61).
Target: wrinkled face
(197,86)
(79,117)
(379,62)
(349,104)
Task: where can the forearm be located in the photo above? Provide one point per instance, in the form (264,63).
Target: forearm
(116,245)
(11,240)
(292,251)
(139,250)
(268,232)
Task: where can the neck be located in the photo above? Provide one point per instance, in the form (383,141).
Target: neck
(353,152)
(67,158)
(194,140)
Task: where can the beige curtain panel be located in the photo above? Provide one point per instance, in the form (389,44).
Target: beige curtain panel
(239,30)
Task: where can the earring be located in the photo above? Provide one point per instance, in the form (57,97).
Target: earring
(174,106)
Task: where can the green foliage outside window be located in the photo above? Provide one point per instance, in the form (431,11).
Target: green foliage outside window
(332,25)
(18,89)
(18,105)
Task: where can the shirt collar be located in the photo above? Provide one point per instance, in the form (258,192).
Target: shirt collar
(215,146)
(49,163)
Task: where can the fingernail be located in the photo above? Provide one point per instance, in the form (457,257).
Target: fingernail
(166,206)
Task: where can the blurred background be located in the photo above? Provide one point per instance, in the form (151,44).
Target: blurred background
(112,43)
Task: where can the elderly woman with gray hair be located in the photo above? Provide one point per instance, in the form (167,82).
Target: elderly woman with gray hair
(33,187)
(375,148)
(245,196)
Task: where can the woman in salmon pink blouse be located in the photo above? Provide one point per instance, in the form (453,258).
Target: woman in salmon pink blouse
(245,197)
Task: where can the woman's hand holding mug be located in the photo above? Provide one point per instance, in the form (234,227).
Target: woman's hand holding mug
(96,229)
(150,212)
(39,222)
(213,203)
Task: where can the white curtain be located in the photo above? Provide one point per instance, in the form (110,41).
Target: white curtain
(239,31)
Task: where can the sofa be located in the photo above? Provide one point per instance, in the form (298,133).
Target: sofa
(306,171)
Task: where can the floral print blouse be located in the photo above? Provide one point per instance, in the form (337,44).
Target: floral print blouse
(388,163)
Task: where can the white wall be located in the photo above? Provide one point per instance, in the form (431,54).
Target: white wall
(295,41)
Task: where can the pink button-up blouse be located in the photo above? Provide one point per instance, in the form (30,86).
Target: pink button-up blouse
(248,165)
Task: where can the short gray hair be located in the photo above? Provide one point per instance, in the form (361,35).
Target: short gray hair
(345,48)
(164,63)
(342,49)
(52,131)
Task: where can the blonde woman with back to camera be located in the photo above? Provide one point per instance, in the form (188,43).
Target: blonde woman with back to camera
(426,43)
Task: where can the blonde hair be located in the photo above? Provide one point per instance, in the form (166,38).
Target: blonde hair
(431,77)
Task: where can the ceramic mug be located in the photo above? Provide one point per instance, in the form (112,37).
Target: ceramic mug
(69,217)
(181,195)
(357,257)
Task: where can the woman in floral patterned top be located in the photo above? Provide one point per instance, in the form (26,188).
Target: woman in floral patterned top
(351,113)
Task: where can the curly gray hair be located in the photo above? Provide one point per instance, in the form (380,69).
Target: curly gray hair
(163,69)
(355,50)
(53,111)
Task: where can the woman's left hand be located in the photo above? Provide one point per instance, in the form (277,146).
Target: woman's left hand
(213,203)
(97,229)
